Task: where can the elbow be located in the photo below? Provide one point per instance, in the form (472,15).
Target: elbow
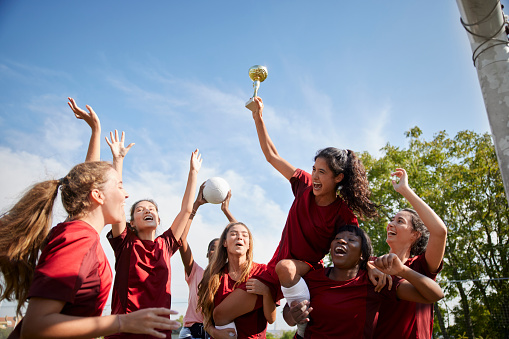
(272,319)
(221,318)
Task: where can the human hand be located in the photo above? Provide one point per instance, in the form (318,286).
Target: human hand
(225,205)
(299,311)
(378,278)
(90,118)
(196,161)
(258,111)
(403,180)
(200,199)
(255,286)
(146,321)
(389,264)
(117,146)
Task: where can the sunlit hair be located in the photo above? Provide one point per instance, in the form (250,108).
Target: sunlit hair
(419,246)
(366,248)
(24,228)
(216,270)
(354,188)
(133,208)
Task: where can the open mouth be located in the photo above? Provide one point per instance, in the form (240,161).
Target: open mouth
(317,186)
(391,233)
(340,250)
(148,217)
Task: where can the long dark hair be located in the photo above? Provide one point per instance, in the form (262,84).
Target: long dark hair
(24,228)
(354,188)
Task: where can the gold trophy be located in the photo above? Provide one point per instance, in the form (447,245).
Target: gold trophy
(257,73)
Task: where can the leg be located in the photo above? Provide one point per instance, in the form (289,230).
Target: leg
(238,303)
(294,288)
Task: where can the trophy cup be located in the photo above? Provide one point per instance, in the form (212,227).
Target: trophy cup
(257,73)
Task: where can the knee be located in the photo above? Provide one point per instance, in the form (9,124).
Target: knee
(286,271)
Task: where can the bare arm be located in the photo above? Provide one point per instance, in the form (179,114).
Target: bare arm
(185,250)
(417,288)
(225,207)
(94,146)
(255,286)
(119,152)
(179,224)
(268,148)
(44,320)
(437,230)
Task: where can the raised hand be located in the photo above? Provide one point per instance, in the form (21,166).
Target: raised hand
(90,117)
(258,111)
(196,161)
(403,180)
(117,146)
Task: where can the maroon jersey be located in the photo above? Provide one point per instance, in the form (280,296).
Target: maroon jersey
(407,319)
(250,325)
(308,231)
(344,309)
(143,273)
(74,269)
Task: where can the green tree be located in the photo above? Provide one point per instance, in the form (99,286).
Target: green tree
(460,179)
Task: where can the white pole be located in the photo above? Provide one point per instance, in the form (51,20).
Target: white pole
(485,25)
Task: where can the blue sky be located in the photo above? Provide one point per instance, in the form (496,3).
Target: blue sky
(174,76)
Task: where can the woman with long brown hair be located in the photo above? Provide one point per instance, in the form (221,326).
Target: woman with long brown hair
(232,265)
(68,288)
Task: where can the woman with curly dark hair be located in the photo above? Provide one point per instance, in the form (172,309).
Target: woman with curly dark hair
(324,200)
(418,238)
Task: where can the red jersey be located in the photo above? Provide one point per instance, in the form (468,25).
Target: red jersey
(308,231)
(143,273)
(74,269)
(344,309)
(250,325)
(407,319)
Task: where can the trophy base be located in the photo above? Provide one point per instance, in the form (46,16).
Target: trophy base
(251,105)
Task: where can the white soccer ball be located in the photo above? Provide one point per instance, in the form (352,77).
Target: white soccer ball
(215,190)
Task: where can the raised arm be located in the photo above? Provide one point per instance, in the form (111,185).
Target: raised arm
(268,148)
(119,152)
(179,224)
(225,207)
(417,287)
(437,230)
(94,146)
(185,250)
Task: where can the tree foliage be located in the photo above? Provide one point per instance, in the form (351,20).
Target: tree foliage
(460,179)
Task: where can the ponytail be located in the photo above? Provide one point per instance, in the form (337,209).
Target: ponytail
(24,228)
(23,231)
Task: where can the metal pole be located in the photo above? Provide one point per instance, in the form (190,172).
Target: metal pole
(485,25)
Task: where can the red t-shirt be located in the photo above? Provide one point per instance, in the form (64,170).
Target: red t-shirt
(344,309)
(406,319)
(74,269)
(308,231)
(143,273)
(250,325)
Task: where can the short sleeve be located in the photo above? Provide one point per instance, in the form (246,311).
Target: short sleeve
(61,270)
